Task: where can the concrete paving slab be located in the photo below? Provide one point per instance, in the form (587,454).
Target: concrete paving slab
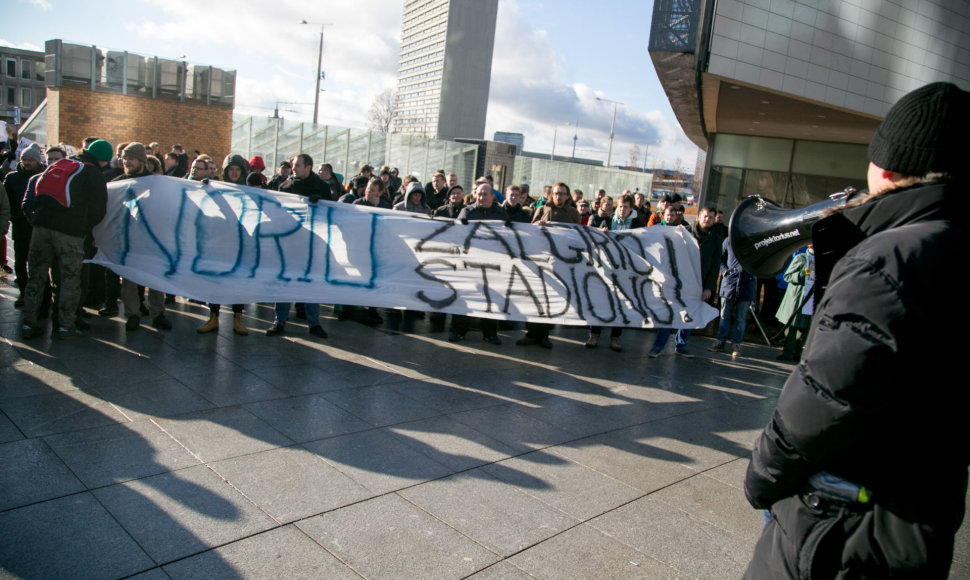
(307,418)
(281,553)
(689,545)
(69,537)
(32,472)
(290,483)
(378,460)
(117,453)
(584,552)
(301,379)
(387,537)
(565,485)
(223,433)
(164,397)
(40,415)
(496,515)
(182,513)
(512,426)
(451,443)
(234,386)
(380,405)
(9,431)
(29,379)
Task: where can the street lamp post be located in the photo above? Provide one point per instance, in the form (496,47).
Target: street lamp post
(555,131)
(316,95)
(609,155)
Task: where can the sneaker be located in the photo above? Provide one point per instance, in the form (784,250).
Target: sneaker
(685,353)
(161,323)
(69,333)
(133,322)
(318,331)
(275,330)
(592,341)
(615,345)
(717,346)
(28,331)
(526,341)
(736,350)
(455,337)
(654,352)
(492,340)
(545,343)
(108,312)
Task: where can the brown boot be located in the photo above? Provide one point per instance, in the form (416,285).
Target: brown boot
(237,324)
(211,325)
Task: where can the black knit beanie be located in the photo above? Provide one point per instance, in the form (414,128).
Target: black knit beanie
(924,132)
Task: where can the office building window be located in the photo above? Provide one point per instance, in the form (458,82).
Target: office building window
(11,67)
(25,69)
(26,98)
(11,97)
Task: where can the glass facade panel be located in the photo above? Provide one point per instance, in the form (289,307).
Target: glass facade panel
(834,159)
(742,166)
(753,152)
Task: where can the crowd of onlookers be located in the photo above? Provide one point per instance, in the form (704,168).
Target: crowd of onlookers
(442,197)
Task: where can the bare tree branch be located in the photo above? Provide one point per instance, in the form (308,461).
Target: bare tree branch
(383,111)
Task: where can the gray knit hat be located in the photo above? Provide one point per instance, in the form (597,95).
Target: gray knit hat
(924,132)
(33,152)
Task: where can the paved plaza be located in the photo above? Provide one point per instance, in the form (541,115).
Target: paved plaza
(374,454)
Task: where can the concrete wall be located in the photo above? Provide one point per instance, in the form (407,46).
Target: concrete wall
(861,55)
(76,113)
(467,69)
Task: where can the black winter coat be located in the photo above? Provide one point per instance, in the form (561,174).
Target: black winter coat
(877,399)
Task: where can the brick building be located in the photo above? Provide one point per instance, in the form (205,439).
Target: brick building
(122,97)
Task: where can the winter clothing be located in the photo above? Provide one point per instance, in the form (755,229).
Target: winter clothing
(860,405)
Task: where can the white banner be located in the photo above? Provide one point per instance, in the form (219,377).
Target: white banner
(228,244)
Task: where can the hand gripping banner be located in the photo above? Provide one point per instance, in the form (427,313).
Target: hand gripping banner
(230,244)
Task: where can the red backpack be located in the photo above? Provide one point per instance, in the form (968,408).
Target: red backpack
(56,180)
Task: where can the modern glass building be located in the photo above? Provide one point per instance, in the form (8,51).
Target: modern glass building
(445,68)
(784,95)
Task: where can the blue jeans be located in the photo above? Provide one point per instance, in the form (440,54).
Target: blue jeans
(680,339)
(734,314)
(312,313)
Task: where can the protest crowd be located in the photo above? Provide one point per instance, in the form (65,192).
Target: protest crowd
(53,281)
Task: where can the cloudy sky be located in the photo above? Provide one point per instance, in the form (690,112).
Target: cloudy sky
(552,59)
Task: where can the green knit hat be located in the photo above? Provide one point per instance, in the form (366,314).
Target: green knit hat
(101,150)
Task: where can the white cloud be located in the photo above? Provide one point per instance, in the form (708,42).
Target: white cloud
(276,57)
(22,46)
(42,4)
(528,95)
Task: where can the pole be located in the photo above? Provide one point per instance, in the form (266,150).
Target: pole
(316,95)
(575,137)
(552,156)
(609,154)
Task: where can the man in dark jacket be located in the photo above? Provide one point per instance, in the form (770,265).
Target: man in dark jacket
(31,163)
(484,208)
(737,293)
(308,184)
(61,216)
(861,463)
